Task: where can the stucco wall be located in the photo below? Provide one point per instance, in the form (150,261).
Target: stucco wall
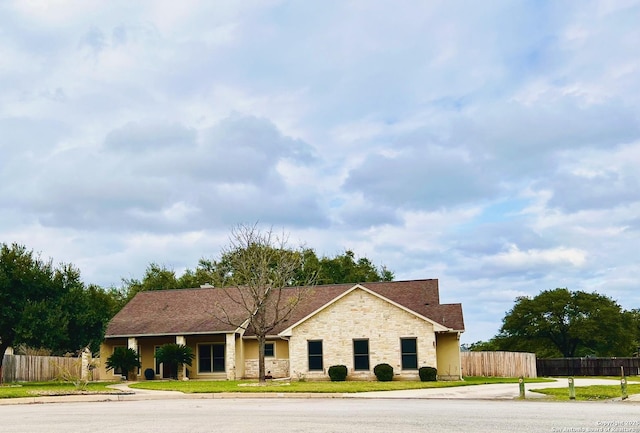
(147,345)
(278,364)
(361,315)
(448,346)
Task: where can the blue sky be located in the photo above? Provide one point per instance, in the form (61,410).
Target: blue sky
(494,146)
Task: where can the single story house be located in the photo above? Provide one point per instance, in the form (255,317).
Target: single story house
(401,323)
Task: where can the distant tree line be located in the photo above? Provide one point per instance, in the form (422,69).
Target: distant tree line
(342,268)
(564,323)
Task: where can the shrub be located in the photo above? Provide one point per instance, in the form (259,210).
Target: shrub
(428,374)
(338,373)
(384,372)
(149,374)
(123,359)
(173,356)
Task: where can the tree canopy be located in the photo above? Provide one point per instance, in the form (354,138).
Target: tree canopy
(46,307)
(342,268)
(566,323)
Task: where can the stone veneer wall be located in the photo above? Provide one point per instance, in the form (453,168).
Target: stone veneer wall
(279,368)
(361,315)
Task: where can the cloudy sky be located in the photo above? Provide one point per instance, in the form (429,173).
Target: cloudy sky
(492,145)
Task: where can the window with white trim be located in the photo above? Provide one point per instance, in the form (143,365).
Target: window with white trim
(314,351)
(409,349)
(211,358)
(361,354)
(269,350)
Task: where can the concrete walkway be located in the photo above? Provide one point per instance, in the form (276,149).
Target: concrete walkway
(471,392)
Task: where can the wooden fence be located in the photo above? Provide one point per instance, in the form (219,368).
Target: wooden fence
(498,364)
(588,366)
(32,368)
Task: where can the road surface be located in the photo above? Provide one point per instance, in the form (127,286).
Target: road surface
(321,415)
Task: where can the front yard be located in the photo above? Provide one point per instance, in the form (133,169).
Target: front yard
(35,389)
(206,386)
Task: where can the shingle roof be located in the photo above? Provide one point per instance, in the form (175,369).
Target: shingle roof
(203,310)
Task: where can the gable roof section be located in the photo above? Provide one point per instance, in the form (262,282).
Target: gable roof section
(198,311)
(437,327)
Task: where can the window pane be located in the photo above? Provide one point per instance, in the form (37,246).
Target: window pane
(409,362)
(409,353)
(204,358)
(361,347)
(361,354)
(408,345)
(157,360)
(218,357)
(314,348)
(269,349)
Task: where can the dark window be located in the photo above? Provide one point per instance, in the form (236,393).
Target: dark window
(210,358)
(157,361)
(409,349)
(269,349)
(315,355)
(361,354)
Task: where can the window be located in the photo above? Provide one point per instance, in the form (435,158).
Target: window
(409,349)
(269,350)
(314,349)
(210,358)
(361,354)
(158,371)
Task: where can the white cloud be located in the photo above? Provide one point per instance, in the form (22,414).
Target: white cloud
(495,149)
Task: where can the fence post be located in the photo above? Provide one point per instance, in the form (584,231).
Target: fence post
(521,385)
(84,368)
(623,384)
(572,389)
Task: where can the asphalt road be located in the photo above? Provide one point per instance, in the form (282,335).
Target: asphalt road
(321,415)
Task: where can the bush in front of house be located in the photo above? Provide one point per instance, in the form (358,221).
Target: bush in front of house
(123,359)
(384,372)
(149,374)
(338,373)
(173,356)
(428,374)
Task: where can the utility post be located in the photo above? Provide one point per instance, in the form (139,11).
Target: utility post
(572,389)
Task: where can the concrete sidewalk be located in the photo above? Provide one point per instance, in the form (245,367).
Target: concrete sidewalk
(472,392)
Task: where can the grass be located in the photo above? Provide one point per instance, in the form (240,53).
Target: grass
(593,392)
(207,386)
(35,389)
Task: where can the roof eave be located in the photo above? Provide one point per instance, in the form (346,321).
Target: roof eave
(170,334)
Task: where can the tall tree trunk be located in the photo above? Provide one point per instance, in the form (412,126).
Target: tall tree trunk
(261,370)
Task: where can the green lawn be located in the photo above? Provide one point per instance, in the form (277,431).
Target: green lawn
(34,389)
(593,392)
(198,386)
(599,392)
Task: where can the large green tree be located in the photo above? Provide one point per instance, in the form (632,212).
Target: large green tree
(25,287)
(567,323)
(50,308)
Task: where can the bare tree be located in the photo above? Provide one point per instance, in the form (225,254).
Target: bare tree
(259,268)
